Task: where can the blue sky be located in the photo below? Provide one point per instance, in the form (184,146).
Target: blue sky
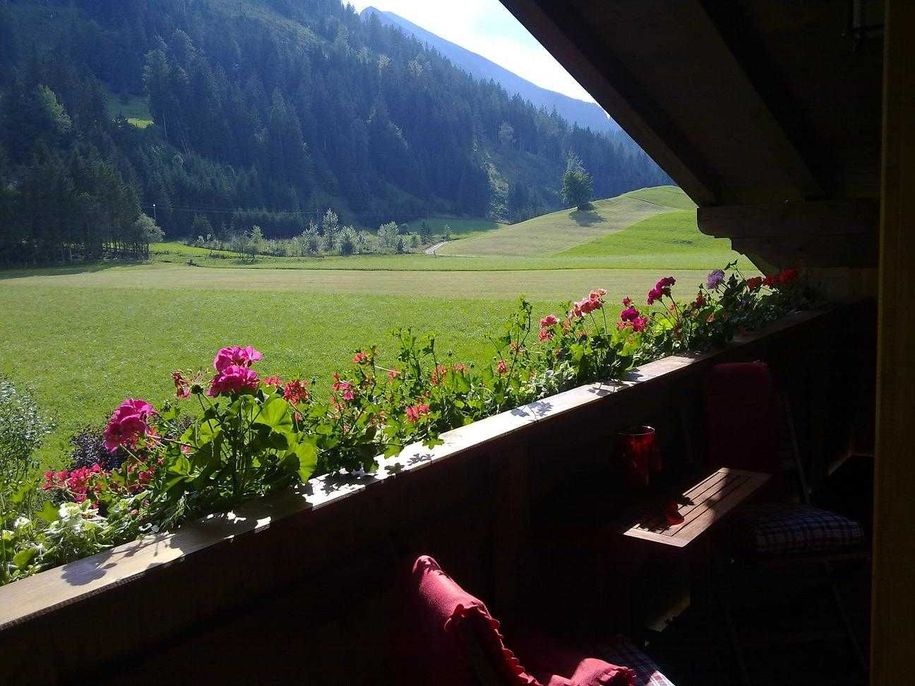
(488,29)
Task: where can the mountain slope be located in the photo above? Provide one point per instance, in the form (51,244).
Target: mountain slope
(585,114)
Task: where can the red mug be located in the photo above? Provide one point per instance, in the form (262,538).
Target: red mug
(638,449)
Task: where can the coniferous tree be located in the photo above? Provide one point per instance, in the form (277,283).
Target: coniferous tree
(576,184)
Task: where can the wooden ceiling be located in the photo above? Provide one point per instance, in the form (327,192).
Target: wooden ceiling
(760,107)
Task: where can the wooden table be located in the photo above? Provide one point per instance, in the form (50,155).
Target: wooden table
(707,502)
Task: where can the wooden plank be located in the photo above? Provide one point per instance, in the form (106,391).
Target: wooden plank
(893,607)
(710,501)
(818,218)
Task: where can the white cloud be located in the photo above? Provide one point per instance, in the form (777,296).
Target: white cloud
(486,28)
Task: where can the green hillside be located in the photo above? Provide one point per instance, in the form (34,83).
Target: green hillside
(667,196)
(665,238)
(558,232)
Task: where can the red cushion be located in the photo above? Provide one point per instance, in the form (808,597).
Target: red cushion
(445,610)
(741,417)
(557,665)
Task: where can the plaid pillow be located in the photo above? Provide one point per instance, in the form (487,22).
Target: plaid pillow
(622,652)
(795,529)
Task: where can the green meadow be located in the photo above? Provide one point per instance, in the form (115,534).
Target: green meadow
(82,339)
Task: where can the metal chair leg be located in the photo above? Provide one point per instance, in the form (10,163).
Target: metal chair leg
(846,621)
(725,585)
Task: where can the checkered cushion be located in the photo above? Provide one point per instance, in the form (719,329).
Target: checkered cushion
(794,529)
(621,651)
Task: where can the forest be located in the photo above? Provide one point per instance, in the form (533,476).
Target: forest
(266,112)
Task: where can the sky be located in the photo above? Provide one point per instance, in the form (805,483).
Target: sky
(486,28)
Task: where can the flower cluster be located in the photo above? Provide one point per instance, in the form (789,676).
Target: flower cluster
(76,484)
(128,424)
(414,412)
(235,356)
(661,289)
(546,327)
(594,301)
(296,391)
(630,317)
(233,371)
(783,278)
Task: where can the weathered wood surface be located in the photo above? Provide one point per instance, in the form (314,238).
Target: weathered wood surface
(815,218)
(893,610)
(707,503)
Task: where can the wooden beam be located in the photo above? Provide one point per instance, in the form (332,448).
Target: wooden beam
(752,52)
(810,234)
(585,56)
(824,218)
(893,608)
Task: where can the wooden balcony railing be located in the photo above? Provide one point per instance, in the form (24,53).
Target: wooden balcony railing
(301,586)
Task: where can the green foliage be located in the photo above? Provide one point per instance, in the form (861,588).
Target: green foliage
(22,429)
(146,227)
(577,188)
(389,236)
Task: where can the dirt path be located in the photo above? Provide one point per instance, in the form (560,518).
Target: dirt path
(432,248)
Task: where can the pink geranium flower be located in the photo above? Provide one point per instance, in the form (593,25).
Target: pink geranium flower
(549,320)
(127,424)
(629,314)
(295,391)
(235,356)
(661,289)
(501,367)
(344,388)
(415,412)
(233,379)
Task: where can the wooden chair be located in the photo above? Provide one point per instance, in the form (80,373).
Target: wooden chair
(745,417)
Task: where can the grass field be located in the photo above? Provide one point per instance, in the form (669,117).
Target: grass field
(557,232)
(84,338)
(135,109)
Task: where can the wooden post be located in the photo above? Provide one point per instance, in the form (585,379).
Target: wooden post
(893,614)
(511,485)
